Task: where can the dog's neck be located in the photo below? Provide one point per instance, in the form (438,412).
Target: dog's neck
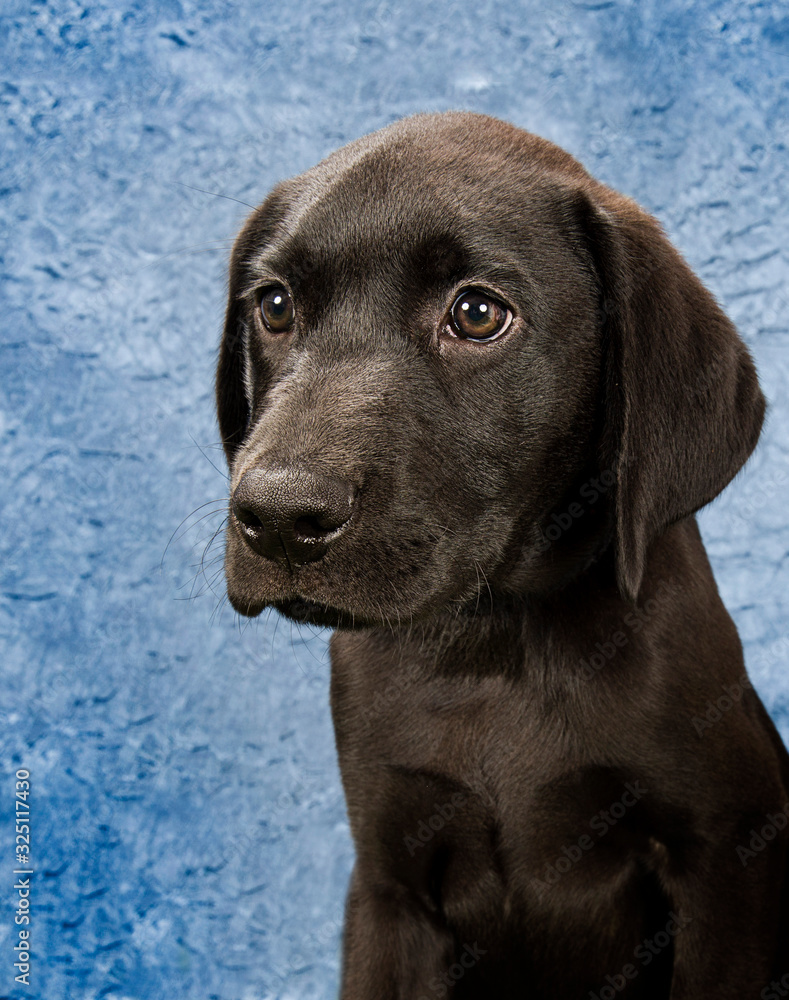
(572,632)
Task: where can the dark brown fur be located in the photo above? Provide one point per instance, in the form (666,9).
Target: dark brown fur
(529,634)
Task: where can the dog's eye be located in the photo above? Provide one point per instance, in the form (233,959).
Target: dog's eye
(276,308)
(476,316)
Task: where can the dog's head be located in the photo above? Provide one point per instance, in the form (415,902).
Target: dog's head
(454,364)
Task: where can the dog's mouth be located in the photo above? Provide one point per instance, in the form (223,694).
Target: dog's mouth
(306,612)
(387,582)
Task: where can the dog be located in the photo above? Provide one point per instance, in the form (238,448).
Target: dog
(471,399)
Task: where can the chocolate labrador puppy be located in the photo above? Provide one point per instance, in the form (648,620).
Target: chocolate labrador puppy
(471,399)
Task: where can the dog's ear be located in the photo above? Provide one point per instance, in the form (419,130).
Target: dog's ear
(683,407)
(232,398)
(232,404)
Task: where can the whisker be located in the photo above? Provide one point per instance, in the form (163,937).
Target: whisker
(479,588)
(224,475)
(293,648)
(208,503)
(487,584)
(215,194)
(218,609)
(223,245)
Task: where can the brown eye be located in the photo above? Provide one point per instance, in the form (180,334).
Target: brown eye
(276,309)
(476,316)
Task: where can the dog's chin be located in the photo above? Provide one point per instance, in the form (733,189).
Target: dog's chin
(307,612)
(244,606)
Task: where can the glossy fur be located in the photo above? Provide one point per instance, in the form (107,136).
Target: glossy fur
(553,761)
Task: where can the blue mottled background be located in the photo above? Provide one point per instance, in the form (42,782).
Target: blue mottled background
(190,839)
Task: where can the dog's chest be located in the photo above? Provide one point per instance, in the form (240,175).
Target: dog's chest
(477,766)
(484,805)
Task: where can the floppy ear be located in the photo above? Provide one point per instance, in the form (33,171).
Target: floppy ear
(683,403)
(232,399)
(232,405)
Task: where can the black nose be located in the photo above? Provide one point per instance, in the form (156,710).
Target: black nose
(292,515)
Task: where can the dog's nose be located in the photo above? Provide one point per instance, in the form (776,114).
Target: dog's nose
(292,515)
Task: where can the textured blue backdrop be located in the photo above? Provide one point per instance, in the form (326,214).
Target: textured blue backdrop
(190,839)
